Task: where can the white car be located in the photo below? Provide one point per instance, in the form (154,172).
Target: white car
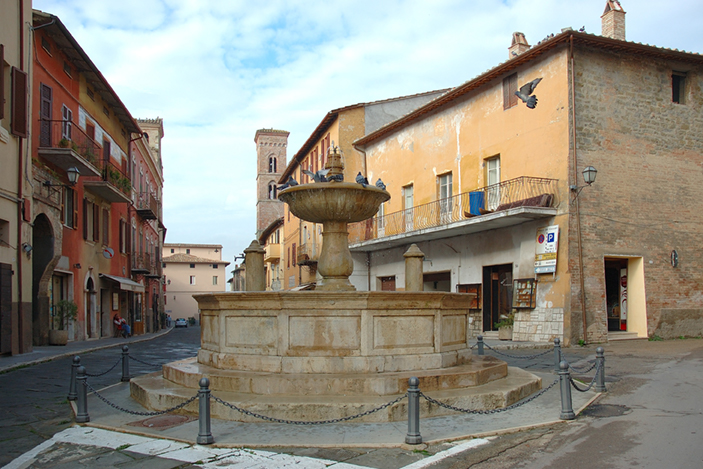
(181,322)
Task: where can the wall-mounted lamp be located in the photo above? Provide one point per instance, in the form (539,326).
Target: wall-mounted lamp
(589,177)
(73,174)
(27,249)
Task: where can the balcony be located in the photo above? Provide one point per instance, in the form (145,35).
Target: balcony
(272,252)
(147,206)
(112,184)
(141,263)
(65,145)
(307,254)
(500,205)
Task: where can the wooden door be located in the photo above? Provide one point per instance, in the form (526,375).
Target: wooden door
(497,294)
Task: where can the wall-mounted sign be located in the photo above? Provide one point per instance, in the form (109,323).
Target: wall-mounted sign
(546,250)
(108,253)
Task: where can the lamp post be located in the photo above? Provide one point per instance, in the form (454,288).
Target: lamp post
(589,177)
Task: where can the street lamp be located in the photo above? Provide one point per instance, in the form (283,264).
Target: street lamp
(589,177)
(73,174)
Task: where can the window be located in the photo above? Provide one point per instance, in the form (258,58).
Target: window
(2,81)
(69,208)
(46,45)
(67,69)
(192,266)
(408,207)
(445,193)
(90,130)
(272,165)
(67,116)
(45,111)
(678,87)
(192,279)
(214,266)
(91,221)
(381,220)
(91,93)
(106,227)
(509,89)
(493,180)
(272,190)
(106,112)
(214,279)
(172,250)
(123,236)
(19,103)
(187,251)
(294,254)
(288,257)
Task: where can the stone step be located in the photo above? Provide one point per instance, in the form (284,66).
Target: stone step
(480,370)
(622,335)
(156,393)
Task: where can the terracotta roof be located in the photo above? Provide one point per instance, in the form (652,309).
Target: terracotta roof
(564,38)
(270,229)
(190,259)
(326,123)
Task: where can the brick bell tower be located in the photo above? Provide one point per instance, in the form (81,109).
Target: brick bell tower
(271,148)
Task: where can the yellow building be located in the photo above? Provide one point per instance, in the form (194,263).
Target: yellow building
(303,240)
(492,191)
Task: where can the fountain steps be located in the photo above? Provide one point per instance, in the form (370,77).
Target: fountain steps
(157,393)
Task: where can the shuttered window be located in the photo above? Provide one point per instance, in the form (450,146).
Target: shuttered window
(19,103)
(106,227)
(85,218)
(2,81)
(96,222)
(509,89)
(45,96)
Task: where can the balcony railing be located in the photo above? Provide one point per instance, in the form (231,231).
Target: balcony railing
(141,263)
(519,192)
(272,252)
(65,144)
(147,206)
(307,254)
(112,184)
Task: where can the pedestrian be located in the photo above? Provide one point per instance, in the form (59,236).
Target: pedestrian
(126,330)
(117,322)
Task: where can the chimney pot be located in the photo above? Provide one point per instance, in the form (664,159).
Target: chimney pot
(613,20)
(518,45)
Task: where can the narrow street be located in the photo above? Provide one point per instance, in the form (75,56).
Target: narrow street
(34,405)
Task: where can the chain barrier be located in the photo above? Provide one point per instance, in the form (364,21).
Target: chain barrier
(576,370)
(492,411)
(143,362)
(104,372)
(143,414)
(518,356)
(593,381)
(303,422)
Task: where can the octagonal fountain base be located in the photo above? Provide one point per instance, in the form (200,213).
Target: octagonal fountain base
(324,355)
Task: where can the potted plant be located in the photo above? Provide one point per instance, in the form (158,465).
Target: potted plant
(63,143)
(505,326)
(64,311)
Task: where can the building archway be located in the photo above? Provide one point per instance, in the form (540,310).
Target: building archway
(44,259)
(90,307)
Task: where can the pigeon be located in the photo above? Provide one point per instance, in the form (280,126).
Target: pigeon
(290,183)
(380,184)
(525,92)
(319,176)
(336,178)
(362,180)
(582,29)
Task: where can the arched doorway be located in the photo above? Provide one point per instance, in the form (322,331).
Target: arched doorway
(90,308)
(42,266)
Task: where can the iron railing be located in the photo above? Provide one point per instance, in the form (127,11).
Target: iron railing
(147,205)
(66,134)
(142,262)
(523,191)
(307,254)
(114,175)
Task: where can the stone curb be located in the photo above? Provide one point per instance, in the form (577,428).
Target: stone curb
(49,358)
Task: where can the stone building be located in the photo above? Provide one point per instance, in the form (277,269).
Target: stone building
(492,191)
(271,147)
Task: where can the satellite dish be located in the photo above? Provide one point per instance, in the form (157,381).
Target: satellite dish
(108,253)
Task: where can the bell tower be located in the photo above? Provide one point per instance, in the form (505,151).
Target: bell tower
(271,148)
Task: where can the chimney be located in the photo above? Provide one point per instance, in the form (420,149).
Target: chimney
(613,20)
(518,46)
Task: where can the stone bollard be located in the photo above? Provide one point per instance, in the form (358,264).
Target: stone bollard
(82,397)
(125,364)
(72,385)
(255,279)
(413,437)
(557,354)
(600,374)
(413,268)
(480,345)
(567,413)
(204,434)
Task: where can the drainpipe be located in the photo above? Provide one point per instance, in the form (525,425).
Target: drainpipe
(20,202)
(575,181)
(368,270)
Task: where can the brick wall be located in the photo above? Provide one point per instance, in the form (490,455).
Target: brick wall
(269,144)
(648,196)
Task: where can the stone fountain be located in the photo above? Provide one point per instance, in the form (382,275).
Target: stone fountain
(335,352)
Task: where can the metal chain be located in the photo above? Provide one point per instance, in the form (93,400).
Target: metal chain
(104,372)
(518,356)
(593,381)
(143,362)
(303,422)
(492,411)
(143,414)
(576,370)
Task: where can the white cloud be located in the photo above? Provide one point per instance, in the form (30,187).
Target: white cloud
(217,71)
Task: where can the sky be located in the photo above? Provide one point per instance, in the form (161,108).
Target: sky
(218,70)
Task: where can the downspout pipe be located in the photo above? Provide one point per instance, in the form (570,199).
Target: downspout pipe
(20,202)
(575,181)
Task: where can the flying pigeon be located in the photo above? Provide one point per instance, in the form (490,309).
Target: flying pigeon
(290,183)
(319,176)
(380,184)
(525,92)
(362,180)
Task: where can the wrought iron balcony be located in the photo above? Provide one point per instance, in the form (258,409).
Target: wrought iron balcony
(66,145)
(112,184)
(308,254)
(147,206)
(507,203)
(141,263)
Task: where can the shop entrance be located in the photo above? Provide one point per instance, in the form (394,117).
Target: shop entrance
(497,294)
(625,298)
(616,293)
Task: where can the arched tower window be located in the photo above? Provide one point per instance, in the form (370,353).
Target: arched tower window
(272,164)
(273,190)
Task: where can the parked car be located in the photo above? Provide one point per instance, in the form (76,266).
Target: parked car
(181,322)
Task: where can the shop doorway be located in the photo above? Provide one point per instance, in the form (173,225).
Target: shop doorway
(625,299)
(616,294)
(497,294)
